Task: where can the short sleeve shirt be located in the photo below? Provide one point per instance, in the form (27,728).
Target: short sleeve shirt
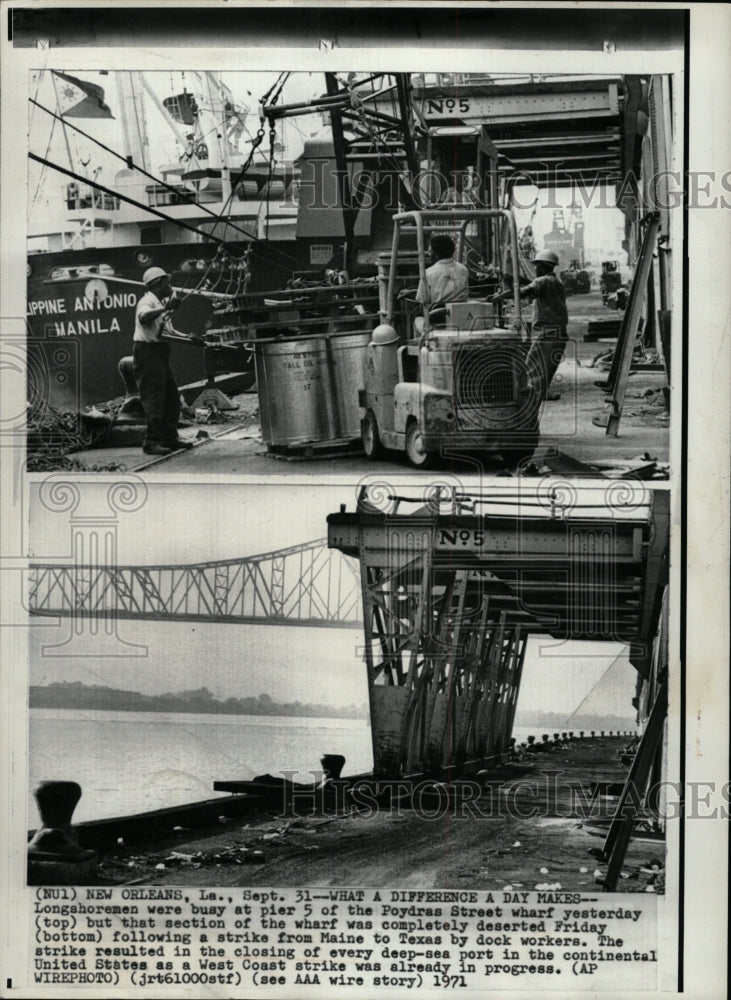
(549,305)
(150,332)
(446,281)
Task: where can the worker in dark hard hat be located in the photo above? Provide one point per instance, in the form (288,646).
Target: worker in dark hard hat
(550,319)
(151,355)
(446,280)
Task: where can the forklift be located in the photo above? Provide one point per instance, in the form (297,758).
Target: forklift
(452,380)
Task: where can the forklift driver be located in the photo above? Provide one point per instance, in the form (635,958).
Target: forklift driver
(446,281)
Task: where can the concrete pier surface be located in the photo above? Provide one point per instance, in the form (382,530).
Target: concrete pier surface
(235,447)
(528,824)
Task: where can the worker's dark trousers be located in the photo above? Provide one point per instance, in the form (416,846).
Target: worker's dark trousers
(158,392)
(548,345)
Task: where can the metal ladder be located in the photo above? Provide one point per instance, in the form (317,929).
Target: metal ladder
(620,829)
(627,338)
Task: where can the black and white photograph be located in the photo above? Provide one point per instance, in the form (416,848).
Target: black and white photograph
(345,268)
(460,625)
(226,740)
(364,509)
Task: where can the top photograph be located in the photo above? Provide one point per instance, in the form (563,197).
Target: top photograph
(328,273)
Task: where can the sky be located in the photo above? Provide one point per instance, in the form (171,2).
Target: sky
(46,139)
(177,523)
(603,224)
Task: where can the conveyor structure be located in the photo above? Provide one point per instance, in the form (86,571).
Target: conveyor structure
(450,598)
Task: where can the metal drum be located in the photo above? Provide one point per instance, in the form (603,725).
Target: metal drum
(348,354)
(308,388)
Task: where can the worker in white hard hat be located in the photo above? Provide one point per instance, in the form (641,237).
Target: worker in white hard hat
(550,320)
(156,385)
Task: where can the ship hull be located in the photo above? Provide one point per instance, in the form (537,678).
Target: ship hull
(81,312)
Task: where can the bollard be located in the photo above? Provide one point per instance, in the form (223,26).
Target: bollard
(55,856)
(332,764)
(331,791)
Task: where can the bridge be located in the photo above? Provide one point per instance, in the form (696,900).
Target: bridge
(305,585)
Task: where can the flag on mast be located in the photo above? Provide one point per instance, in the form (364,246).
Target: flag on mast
(79,99)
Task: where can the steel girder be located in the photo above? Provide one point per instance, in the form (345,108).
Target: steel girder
(443,680)
(448,602)
(574,579)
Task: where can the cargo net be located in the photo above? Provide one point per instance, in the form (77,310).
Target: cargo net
(486,378)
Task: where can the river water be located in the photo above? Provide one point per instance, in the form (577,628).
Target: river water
(129,762)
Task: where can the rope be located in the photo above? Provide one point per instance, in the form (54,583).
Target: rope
(593,688)
(217,217)
(42,175)
(135,166)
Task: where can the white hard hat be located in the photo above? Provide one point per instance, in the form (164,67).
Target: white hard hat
(384,334)
(153,274)
(547,257)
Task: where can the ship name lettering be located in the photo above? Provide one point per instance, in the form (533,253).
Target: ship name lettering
(46,307)
(82,327)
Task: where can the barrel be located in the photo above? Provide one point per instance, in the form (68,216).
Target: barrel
(308,388)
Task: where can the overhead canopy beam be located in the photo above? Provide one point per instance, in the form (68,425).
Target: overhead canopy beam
(574,578)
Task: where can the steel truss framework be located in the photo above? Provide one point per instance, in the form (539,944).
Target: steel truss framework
(449,602)
(301,585)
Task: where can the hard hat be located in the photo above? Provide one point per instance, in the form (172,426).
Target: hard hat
(384,334)
(547,257)
(153,274)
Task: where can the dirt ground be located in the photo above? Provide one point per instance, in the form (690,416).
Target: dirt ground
(527,829)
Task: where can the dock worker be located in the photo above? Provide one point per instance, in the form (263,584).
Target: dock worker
(550,320)
(156,385)
(447,280)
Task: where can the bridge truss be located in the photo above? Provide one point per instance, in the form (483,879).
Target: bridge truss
(306,585)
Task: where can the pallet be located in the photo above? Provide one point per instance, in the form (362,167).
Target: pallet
(314,450)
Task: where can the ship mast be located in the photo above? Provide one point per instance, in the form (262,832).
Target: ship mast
(133,118)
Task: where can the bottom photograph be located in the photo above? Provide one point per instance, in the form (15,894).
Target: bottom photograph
(421,685)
